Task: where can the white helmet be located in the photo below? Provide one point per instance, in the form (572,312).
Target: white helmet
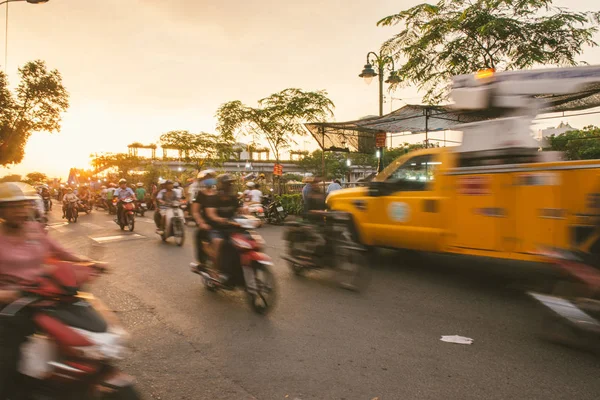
(250,184)
(17,191)
(140,184)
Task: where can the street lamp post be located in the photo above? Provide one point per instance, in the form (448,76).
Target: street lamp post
(6,24)
(383,62)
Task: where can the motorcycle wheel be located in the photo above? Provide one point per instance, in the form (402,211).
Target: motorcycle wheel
(142,213)
(263,301)
(352,270)
(178,232)
(126,393)
(130,222)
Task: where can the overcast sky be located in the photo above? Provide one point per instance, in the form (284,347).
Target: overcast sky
(138,68)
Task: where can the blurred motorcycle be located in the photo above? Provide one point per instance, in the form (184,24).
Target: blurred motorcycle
(325,243)
(274,212)
(246,266)
(73,352)
(72,212)
(573,309)
(141,207)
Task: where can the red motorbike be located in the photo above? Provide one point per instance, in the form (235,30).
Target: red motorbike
(77,341)
(127,215)
(245,266)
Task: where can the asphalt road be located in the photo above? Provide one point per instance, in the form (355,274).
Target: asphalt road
(322,342)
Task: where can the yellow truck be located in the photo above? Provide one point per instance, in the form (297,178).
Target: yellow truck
(496,195)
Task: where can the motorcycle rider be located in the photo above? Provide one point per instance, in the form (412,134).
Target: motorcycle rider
(164,197)
(67,198)
(23,249)
(140,192)
(220,208)
(123,193)
(84,195)
(155,191)
(206,183)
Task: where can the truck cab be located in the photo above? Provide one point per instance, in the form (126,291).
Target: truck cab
(404,206)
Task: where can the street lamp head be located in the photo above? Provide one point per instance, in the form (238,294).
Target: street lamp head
(348,162)
(368,73)
(394,78)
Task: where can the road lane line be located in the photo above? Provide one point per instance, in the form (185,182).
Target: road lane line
(106,239)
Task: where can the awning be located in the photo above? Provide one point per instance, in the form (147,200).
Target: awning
(359,135)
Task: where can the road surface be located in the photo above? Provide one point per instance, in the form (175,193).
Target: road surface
(322,342)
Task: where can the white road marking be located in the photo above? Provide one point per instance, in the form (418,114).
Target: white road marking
(91,225)
(55,225)
(106,239)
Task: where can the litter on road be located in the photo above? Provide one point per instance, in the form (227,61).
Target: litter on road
(457,339)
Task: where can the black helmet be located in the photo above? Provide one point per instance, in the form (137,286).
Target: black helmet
(224,180)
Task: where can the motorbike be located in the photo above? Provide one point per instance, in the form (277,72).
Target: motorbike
(112,206)
(256,210)
(174,223)
(47,202)
(84,206)
(127,217)
(100,203)
(72,212)
(326,243)
(246,266)
(274,212)
(77,340)
(573,309)
(141,207)
(187,210)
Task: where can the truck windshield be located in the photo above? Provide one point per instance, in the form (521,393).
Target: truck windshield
(416,169)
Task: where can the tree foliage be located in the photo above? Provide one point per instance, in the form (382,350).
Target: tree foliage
(36,105)
(336,162)
(581,144)
(11,178)
(277,119)
(35,177)
(198,148)
(459,37)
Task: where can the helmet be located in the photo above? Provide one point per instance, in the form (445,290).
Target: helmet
(224,179)
(250,184)
(16,191)
(103,187)
(206,173)
(176,184)
(161,181)
(168,181)
(69,189)
(122,181)
(140,184)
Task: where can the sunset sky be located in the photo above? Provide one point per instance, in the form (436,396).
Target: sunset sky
(138,68)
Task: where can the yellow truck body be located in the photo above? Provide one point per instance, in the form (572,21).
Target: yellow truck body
(424,201)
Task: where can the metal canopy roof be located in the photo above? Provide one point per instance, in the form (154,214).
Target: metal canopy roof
(359,135)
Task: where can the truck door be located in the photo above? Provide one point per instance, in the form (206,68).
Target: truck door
(408,216)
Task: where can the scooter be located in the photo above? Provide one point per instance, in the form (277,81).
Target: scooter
(141,208)
(47,202)
(84,207)
(326,244)
(256,210)
(174,223)
(72,212)
(100,203)
(246,266)
(112,206)
(574,306)
(77,341)
(274,211)
(127,217)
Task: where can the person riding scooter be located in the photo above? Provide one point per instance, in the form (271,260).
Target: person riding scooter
(122,193)
(206,183)
(164,197)
(68,198)
(24,247)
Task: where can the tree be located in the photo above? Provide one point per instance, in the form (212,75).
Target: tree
(277,119)
(459,37)
(198,148)
(35,177)
(36,105)
(121,161)
(581,144)
(11,178)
